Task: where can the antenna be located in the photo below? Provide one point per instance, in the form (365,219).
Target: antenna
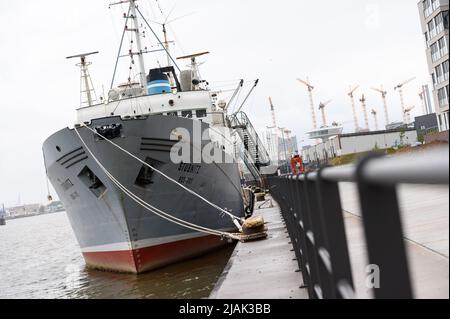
(383,96)
(322,107)
(366,117)
(86,86)
(374,113)
(194,64)
(355,116)
(399,87)
(311,101)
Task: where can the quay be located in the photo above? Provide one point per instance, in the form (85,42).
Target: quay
(391,213)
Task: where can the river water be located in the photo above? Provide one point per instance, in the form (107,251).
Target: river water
(40,258)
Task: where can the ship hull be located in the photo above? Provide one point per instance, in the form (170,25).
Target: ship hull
(113,231)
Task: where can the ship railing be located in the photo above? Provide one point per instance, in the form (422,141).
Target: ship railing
(311,207)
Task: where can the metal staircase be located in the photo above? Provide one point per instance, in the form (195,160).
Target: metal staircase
(250,148)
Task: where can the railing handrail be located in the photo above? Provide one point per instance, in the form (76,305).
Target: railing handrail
(416,168)
(311,206)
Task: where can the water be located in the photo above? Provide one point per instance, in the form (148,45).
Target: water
(40,258)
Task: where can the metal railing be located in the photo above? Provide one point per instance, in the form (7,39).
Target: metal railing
(311,207)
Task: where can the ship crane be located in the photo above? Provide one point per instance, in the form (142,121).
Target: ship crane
(383,93)
(87,87)
(311,100)
(322,107)
(408,114)
(399,87)
(366,117)
(355,116)
(374,114)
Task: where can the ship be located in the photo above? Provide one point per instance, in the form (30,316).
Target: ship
(118,160)
(2,215)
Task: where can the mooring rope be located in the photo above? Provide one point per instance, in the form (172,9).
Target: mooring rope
(152,208)
(164,175)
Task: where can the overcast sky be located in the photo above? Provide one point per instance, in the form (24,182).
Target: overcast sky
(335,43)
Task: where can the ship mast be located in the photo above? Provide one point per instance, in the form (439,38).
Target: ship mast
(86,86)
(140,53)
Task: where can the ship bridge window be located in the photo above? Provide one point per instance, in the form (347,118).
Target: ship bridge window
(200,113)
(172,113)
(186,114)
(145,177)
(91,181)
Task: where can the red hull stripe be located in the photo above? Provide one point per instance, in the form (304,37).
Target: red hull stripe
(148,258)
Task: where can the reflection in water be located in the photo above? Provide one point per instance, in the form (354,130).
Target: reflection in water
(39,258)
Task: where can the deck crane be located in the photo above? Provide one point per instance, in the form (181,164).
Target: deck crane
(355,116)
(383,93)
(322,107)
(399,87)
(311,100)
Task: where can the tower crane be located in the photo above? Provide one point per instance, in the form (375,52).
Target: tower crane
(399,87)
(363,104)
(408,114)
(374,114)
(422,100)
(272,110)
(322,107)
(383,93)
(352,97)
(311,100)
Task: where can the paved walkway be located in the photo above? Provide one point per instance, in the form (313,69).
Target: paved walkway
(266,269)
(425,218)
(262,269)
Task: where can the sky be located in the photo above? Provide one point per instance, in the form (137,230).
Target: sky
(335,43)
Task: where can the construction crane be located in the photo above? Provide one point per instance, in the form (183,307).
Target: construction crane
(399,87)
(363,104)
(408,114)
(374,114)
(422,100)
(383,96)
(322,107)
(272,110)
(311,101)
(355,116)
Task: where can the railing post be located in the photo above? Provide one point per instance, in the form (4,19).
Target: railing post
(384,236)
(323,264)
(336,239)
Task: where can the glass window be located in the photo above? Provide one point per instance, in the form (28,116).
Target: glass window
(443,46)
(427,9)
(445,69)
(186,114)
(443,96)
(172,113)
(445,19)
(431,28)
(439,74)
(200,113)
(434,52)
(439,23)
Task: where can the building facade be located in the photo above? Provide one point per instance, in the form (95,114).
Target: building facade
(435,24)
(355,143)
